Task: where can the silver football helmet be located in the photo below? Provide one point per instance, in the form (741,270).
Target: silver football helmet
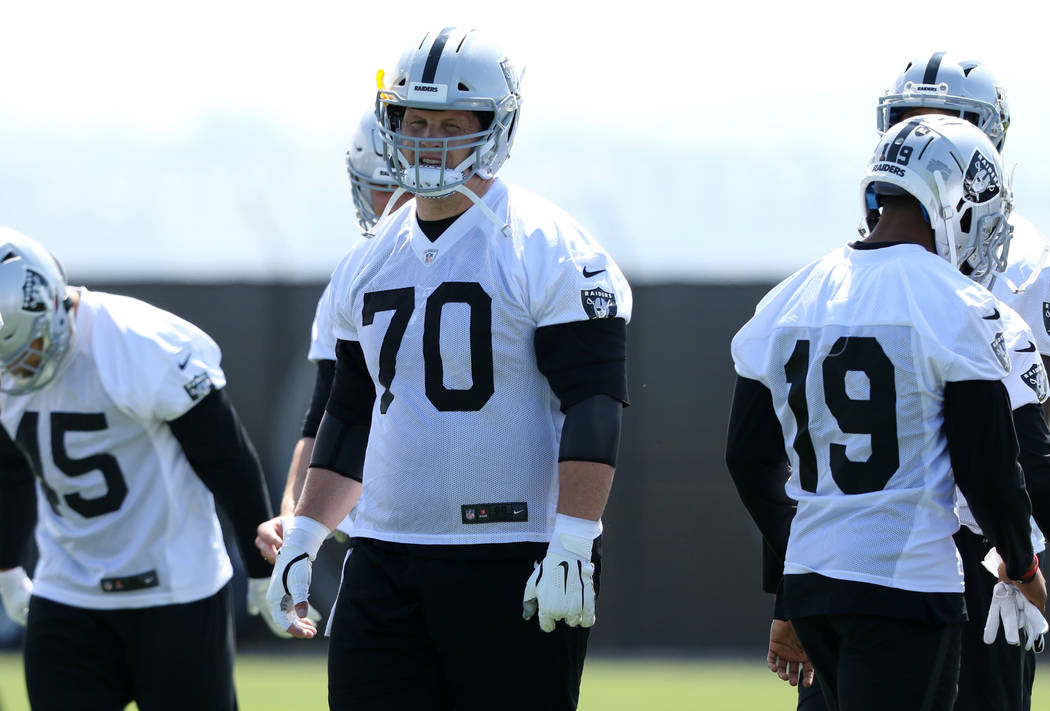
(368,170)
(943,81)
(37,326)
(956,174)
(455,68)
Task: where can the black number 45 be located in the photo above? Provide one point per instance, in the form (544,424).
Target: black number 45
(61,423)
(875,416)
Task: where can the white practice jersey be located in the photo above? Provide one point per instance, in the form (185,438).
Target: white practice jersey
(1027,385)
(856,349)
(123,520)
(322,347)
(465,430)
(1025,285)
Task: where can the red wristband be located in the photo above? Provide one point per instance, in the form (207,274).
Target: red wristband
(1028,576)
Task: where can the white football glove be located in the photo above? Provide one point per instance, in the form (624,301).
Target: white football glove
(15,589)
(290,582)
(257,589)
(561,586)
(1012,608)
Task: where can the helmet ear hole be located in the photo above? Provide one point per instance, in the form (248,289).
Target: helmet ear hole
(965,222)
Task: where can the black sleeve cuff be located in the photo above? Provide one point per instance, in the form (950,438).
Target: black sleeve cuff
(582,359)
(353,392)
(322,391)
(340,447)
(591,431)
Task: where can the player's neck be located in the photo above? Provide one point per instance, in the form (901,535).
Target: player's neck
(442,208)
(897,226)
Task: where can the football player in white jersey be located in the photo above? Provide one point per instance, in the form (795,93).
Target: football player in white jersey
(944,83)
(119,410)
(477,399)
(371,189)
(880,368)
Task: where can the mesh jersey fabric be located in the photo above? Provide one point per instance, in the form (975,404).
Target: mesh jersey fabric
(116,498)
(463,419)
(876,333)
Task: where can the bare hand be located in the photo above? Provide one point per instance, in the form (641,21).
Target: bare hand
(1034,589)
(786,658)
(269,537)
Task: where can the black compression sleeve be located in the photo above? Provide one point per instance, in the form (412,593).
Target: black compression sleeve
(218,448)
(1033,437)
(353,392)
(757,462)
(983,448)
(584,358)
(322,390)
(591,431)
(340,447)
(17,503)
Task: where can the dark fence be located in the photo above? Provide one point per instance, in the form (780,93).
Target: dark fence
(681,555)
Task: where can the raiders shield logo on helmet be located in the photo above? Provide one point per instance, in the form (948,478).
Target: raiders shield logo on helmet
(981,182)
(598,303)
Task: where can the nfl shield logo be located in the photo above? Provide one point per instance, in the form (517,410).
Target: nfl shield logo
(429,256)
(469,514)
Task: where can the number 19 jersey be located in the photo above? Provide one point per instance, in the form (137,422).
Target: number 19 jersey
(856,349)
(465,429)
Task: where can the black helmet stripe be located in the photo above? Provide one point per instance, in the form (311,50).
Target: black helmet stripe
(930,77)
(898,141)
(430,69)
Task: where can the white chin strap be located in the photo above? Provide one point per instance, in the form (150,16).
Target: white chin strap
(463,189)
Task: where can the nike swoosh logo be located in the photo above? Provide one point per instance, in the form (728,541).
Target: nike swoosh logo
(565,564)
(993,317)
(588,275)
(515,512)
(185,360)
(1029,349)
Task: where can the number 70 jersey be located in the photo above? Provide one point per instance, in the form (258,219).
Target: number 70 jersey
(856,349)
(465,429)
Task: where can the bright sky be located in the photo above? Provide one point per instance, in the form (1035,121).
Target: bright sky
(203,140)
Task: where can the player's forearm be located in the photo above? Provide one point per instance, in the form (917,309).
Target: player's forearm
(583,488)
(327,496)
(293,487)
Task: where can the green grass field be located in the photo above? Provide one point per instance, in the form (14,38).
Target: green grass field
(266,682)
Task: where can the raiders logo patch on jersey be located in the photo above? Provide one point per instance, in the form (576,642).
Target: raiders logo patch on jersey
(1035,378)
(598,303)
(200,386)
(999,348)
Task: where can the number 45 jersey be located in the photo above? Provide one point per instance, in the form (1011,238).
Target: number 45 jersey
(856,349)
(465,428)
(123,520)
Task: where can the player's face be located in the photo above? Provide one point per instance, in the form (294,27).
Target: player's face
(422,123)
(381,197)
(925,111)
(25,367)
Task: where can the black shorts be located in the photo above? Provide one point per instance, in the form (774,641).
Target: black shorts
(418,633)
(175,657)
(874,663)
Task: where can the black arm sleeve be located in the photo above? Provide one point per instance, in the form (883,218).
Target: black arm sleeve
(343,434)
(591,431)
(17,503)
(1033,437)
(758,464)
(983,451)
(218,448)
(322,390)
(584,358)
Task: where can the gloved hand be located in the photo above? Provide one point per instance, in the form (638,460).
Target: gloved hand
(289,588)
(561,586)
(15,589)
(1011,608)
(257,589)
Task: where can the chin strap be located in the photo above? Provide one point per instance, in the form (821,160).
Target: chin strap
(945,214)
(503,226)
(370,232)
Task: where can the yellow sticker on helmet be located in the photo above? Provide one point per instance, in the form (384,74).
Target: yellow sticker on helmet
(380,75)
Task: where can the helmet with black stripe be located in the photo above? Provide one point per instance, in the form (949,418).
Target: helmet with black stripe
(943,81)
(37,326)
(956,174)
(368,171)
(455,68)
